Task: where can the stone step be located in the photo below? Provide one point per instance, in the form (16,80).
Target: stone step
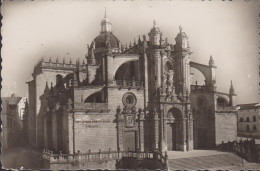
(205,162)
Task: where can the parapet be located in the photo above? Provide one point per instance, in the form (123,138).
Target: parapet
(60,65)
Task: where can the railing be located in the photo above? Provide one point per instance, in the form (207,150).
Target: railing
(60,65)
(102,156)
(99,106)
(126,83)
(226,108)
(198,88)
(243,148)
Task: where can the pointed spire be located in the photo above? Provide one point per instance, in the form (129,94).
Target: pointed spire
(51,89)
(139,39)
(57,59)
(134,42)
(50,59)
(92,59)
(105,12)
(46,87)
(211,61)
(231,89)
(64,61)
(70,61)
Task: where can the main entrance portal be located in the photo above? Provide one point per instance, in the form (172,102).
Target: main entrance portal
(171,137)
(174,130)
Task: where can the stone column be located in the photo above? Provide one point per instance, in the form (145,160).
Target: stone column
(183,141)
(141,130)
(54,132)
(45,140)
(119,129)
(156,130)
(190,135)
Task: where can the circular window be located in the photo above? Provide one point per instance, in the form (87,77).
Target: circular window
(129,100)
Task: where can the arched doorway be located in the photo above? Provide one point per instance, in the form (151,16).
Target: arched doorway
(174,129)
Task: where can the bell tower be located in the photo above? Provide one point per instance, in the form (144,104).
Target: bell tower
(182,59)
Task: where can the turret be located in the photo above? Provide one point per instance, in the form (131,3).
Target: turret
(182,58)
(91,58)
(211,61)
(155,35)
(232,95)
(212,71)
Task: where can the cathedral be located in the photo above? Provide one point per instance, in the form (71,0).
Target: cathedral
(137,97)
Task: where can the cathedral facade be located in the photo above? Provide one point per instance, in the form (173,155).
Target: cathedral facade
(137,97)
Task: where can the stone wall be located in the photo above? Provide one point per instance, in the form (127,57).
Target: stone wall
(115,96)
(93,131)
(110,165)
(204,124)
(226,127)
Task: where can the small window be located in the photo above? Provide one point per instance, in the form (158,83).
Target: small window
(247,128)
(254,127)
(241,120)
(247,119)
(254,118)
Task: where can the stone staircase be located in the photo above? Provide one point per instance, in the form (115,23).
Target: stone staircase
(205,162)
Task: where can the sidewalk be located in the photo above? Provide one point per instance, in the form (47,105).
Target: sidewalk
(194,153)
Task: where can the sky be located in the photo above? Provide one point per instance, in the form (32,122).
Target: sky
(44,28)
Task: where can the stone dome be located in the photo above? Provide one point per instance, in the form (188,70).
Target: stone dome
(106,39)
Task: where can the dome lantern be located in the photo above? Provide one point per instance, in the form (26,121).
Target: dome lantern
(105,24)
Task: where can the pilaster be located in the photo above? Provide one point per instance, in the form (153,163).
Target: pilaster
(156,130)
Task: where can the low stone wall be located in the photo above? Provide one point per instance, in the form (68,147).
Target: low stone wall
(110,165)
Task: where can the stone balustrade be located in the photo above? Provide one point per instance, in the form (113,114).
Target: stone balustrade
(102,156)
(127,83)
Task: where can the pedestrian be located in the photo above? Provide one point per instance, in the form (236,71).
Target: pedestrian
(243,161)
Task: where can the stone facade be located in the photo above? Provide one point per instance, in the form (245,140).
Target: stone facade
(137,97)
(248,120)
(12,129)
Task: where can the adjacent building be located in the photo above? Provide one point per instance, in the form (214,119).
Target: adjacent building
(11,117)
(249,120)
(137,96)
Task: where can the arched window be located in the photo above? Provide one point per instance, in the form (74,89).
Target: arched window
(59,80)
(222,102)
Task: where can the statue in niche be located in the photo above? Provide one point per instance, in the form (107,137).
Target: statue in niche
(168,80)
